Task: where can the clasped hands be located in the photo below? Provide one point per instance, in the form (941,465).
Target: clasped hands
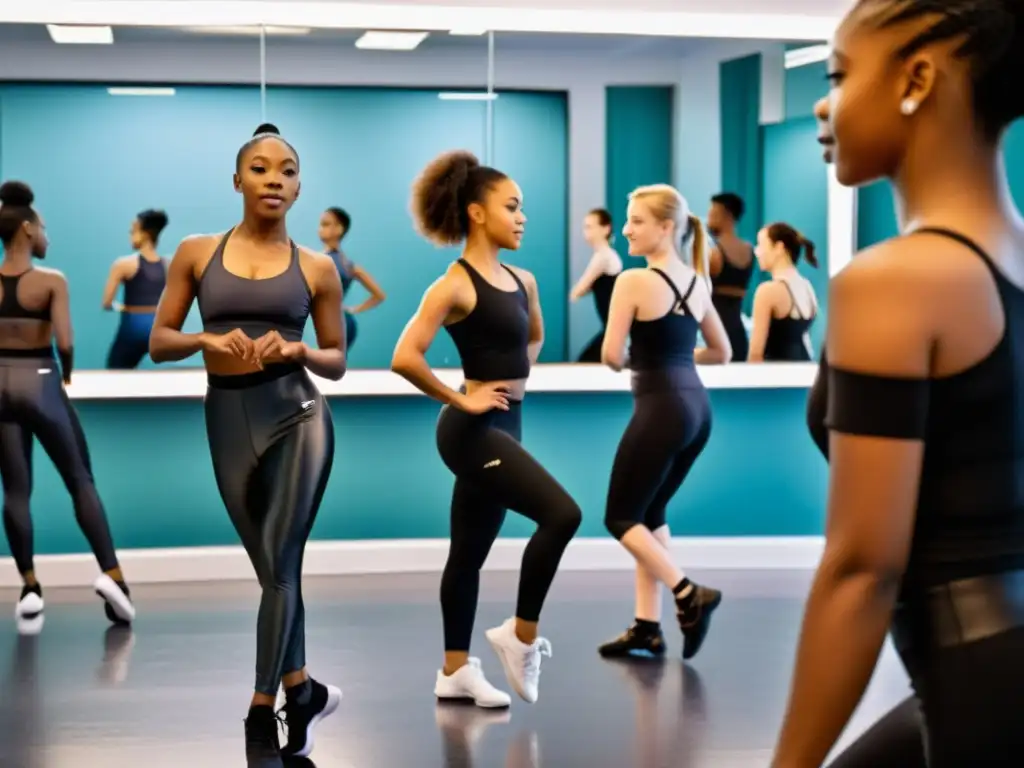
(269,348)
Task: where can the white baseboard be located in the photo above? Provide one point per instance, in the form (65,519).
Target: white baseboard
(343,558)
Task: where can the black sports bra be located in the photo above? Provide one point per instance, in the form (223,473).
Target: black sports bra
(11,308)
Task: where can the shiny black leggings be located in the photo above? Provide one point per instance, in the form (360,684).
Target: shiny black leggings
(493,472)
(965,712)
(33,403)
(272,442)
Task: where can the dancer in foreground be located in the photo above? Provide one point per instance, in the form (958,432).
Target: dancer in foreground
(925,531)
(270,431)
(335,224)
(661,309)
(34,312)
(492,312)
(143,276)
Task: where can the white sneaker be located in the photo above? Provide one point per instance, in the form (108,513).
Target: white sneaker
(119,605)
(468,682)
(521,661)
(29,606)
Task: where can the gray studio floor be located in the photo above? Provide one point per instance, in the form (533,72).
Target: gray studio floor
(173,692)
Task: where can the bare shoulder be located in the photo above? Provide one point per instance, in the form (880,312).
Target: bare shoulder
(900,268)
(525,275)
(198,246)
(315,258)
(52,276)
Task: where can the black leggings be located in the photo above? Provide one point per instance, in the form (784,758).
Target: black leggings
(494,473)
(131,344)
(667,432)
(730,310)
(965,712)
(272,442)
(592,352)
(33,403)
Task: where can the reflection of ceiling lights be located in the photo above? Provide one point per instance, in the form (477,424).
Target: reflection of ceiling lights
(811,54)
(391,41)
(253,31)
(466,96)
(80,35)
(141,91)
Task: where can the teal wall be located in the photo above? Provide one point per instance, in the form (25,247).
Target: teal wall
(759,475)
(95,160)
(638,146)
(804,86)
(742,151)
(796,191)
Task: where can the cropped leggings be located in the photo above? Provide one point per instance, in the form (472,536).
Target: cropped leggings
(493,473)
(667,432)
(272,442)
(33,403)
(131,343)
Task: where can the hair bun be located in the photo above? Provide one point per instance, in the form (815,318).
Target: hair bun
(267,128)
(16,194)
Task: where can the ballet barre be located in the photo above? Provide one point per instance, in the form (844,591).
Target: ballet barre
(188,383)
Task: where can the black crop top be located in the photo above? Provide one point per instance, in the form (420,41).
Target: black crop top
(11,308)
(970,509)
(227,301)
(146,285)
(668,341)
(492,340)
(785,341)
(731,276)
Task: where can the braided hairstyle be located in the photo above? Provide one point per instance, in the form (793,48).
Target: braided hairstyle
(991,39)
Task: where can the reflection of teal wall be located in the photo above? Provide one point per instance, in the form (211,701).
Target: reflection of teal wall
(876,216)
(737,487)
(796,191)
(804,86)
(742,161)
(95,160)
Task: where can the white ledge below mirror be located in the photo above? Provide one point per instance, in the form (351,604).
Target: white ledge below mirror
(191,382)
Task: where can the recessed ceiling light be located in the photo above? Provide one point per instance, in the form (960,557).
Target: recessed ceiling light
(391,41)
(811,54)
(131,91)
(80,34)
(253,31)
(466,96)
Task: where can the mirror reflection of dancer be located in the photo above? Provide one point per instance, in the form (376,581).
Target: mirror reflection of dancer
(270,431)
(35,311)
(923,369)
(143,277)
(731,267)
(660,309)
(335,224)
(492,312)
(599,277)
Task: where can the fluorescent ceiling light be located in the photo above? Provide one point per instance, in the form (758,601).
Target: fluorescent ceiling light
(467,31)
(466,96)
(141,91)
(391,41)
(80,35)
(253,31)
(435,16)
(812,54)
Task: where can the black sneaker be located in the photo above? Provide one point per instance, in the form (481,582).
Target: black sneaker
(632,642)
(305,706)
(695,618)
(262,747)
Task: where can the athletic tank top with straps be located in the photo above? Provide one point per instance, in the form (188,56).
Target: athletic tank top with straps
(732,276)
(146,285)
(970,505)
(227,301)
(492,340)
(11,308)
(345,269)
(785,342)
(668,341)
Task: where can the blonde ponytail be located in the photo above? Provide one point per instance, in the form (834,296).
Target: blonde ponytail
(700,246)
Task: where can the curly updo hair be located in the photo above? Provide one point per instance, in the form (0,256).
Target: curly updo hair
(443,192)
(16,198)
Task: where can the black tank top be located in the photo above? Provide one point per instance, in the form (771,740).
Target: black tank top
(785,342)
(732,276)
(602,290)
(227,301)
(668,341)
(970,506)
(10,307)
(492,340)
(146,285)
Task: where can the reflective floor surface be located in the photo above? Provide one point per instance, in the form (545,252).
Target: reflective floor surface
(173,691)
